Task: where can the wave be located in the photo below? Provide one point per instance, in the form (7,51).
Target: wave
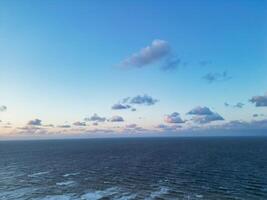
(71,174)
(100,194)
(16,194)
(193,196)
(65,183)
(38,174)
(159,193)
(199,196)
(127,197)
(58,197)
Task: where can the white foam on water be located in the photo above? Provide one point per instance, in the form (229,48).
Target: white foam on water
(192,196)
(99,194)
(159,193)
(199,195)
(92,196)
(57,197)
(65,183)
(127,197)
(38,174)
(71,174)
(16,194)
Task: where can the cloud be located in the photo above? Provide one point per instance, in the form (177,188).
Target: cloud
(226,104)
(139,130)
(171,63)
(119,106)
(3,108)
(260,101)
(95,118)
(35,122)
(131,126)
(207,118)
(164,127)
(204,115)
(148,55)
(173,118)
(64,126)
(258,115)
(6,126)
(214,77)
(141,100)
(79,124)
(200,111)
(237,105)
(161,126)
(49,125)
(31,130)
(243,125)
(128,102)
(116,119)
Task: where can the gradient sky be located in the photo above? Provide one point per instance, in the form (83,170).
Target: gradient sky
(63,61)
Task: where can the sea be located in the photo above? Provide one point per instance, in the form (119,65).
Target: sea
(134,168)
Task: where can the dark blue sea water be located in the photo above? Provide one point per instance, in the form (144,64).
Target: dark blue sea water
(147,168)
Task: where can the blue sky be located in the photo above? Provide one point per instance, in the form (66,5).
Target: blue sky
(63,61)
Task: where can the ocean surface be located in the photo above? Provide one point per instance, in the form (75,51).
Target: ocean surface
(144,168)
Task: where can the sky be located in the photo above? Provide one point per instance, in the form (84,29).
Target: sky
(132,68)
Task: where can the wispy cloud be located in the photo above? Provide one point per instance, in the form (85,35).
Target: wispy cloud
(49,125)
(237,105)
(79,123)
(64,126)
(215,77)
(119,106)
(254,124)
(134,128)
(260,101)
(31,130)
(171,63)
(3,108)
(258,115)
(131,126)
(172,128)
(226,104)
